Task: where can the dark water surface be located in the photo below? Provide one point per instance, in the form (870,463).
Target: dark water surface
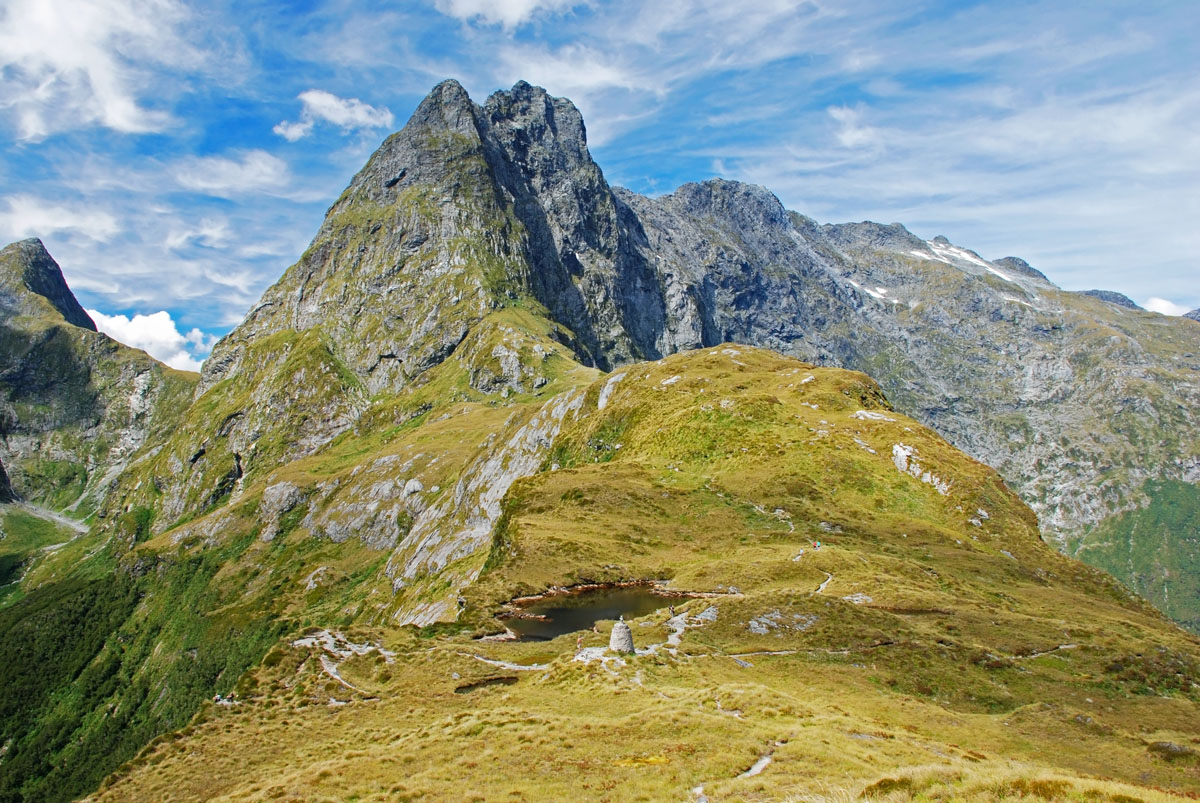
(567,613)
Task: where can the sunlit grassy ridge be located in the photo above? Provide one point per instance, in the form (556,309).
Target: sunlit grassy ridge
(932,647)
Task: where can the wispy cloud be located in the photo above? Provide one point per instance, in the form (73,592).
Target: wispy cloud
(28,216)
(1165,307)
(254,171)
(350,114)
(68,64)
(508,13)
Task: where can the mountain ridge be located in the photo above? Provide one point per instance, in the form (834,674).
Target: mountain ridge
(471,210)
(416,426)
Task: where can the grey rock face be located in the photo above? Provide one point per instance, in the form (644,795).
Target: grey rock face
(30,280)
(1193,315)
(1120,299)
(277,499)
(1021,267)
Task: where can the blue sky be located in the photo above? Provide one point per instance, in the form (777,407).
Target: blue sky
(176,157)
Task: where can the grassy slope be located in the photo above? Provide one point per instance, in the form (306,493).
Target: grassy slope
(1154,549)
(24,537)
(973,648)
(211,597)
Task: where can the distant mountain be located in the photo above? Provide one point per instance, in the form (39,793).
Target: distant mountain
(1194,315)
(74,404)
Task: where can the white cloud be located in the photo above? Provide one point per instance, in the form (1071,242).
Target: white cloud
(509,13)
(255,171)
(68,63)
(350,114)
(209,232)
(1165,307)
(158,336)
(574,68)
(851,133)
(31,217)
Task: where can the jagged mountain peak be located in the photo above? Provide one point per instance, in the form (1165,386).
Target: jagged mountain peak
(1020,266)
(522,130)
(1193,315)
(878,235)
(746,204)
(30,279)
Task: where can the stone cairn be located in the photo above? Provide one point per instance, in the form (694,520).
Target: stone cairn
(621,639)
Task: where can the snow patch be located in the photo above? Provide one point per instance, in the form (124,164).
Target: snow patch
(931,257)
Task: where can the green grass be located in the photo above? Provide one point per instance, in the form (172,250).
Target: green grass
(25,540)
(923,654)
(1153,549)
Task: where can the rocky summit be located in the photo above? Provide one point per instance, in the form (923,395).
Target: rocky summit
(1085,404)
(844,460)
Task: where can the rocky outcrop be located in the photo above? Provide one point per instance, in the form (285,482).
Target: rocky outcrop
(1193,315)
(6,491)
(1119,299)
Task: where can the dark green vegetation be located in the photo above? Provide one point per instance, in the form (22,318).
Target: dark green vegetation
(1155,549)
(94,667)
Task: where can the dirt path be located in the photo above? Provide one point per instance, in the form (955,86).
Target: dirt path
(821,588)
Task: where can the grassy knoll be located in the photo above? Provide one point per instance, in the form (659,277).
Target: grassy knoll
(932,648)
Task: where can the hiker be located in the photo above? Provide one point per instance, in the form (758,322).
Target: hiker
(579,643)
(671,608)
